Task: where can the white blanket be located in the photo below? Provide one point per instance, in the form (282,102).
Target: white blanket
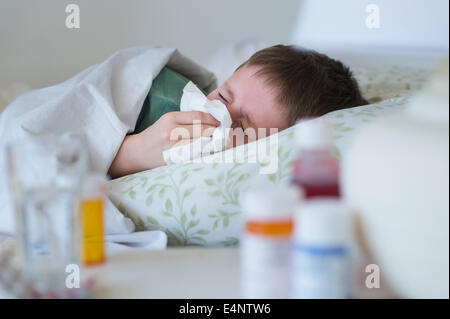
(102,103)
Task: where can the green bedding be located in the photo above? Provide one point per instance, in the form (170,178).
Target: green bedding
(164,96)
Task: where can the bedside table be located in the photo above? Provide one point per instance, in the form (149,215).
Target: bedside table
(173,273)
(179,273)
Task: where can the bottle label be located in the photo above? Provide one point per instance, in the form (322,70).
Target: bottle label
(321,273)
(265,267)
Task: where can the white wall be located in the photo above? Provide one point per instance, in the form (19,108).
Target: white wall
(402,23)
(410,33)
(37,48)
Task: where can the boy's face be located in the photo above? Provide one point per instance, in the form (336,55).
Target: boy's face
(251,102)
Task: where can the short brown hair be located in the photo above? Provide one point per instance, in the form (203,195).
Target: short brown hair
(310,83)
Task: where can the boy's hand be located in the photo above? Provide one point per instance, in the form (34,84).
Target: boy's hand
(144,150)
(170,129)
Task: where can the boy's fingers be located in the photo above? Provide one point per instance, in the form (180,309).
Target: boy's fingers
(181,142)
(198,130)
(188,117)
(191,131)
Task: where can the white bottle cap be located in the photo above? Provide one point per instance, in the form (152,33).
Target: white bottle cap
(314,134)
(323,222)
(270,203)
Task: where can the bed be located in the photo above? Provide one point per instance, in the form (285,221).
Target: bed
(199,204)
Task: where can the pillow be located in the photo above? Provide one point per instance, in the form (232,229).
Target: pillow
(381,83)
(199,204)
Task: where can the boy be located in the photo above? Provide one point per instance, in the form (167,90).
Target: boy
(274,88)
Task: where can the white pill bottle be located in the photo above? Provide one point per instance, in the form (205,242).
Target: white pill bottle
(322,251)
(265,254)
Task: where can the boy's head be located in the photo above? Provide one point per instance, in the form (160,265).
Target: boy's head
(281,84)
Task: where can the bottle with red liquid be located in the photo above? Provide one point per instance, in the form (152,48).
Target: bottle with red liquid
(316,169)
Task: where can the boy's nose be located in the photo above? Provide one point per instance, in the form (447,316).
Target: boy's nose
(233,113)
(234,124)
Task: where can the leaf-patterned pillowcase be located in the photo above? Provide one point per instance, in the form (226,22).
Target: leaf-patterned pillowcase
(199,204)
(381,83)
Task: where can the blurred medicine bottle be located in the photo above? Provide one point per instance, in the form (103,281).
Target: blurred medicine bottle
(322,258)
(91,218)
(87,190)
(316,170)
(266,243)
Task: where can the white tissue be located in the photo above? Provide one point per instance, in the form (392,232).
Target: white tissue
(194,100)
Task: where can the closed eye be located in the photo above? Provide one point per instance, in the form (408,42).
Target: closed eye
(222,98)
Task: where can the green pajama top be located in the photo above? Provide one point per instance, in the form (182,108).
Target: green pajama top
(164,96)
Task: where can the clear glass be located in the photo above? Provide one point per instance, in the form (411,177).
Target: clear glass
(45,175)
